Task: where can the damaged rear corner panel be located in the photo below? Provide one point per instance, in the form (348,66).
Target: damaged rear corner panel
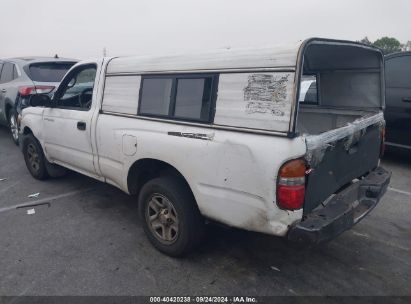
(260,100)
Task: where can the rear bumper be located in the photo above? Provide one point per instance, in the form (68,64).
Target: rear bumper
(342,211)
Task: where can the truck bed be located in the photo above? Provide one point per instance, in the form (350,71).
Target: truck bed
(315,120)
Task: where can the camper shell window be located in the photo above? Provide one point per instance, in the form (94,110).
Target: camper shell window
(179,97)
(349,80)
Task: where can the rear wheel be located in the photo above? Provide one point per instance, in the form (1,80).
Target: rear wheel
(14,130)
(34,157)
(171,219)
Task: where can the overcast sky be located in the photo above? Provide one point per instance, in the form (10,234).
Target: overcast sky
(82,28)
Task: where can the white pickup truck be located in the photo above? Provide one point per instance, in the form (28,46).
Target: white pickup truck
(222,136)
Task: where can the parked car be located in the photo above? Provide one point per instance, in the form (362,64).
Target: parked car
(22,77)
(221,136)
(398,99)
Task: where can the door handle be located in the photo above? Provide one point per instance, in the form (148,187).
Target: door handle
(3,90)
(81,125)
(406,99)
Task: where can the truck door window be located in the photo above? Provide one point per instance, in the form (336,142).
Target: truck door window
(77,90)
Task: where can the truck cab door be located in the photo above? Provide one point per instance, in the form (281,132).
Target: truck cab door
(67,124)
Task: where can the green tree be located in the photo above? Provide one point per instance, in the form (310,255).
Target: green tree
(388,45)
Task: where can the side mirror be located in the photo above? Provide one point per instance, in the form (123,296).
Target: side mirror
(40,100)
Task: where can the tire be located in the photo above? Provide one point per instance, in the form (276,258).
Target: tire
(13,127)
(34,157)
(176,226)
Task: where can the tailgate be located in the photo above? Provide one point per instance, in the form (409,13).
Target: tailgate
(339,156)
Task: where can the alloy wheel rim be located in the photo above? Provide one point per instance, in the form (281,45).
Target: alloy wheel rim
(162,219)
(33,157)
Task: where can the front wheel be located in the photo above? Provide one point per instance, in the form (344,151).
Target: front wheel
(34,157)
(13,126)
(171,219)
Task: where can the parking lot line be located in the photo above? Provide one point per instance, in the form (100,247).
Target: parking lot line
(366,236)
(44,200)
(399,191)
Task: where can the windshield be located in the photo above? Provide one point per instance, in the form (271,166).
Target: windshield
(49,71)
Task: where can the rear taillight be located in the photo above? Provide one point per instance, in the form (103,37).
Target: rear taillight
(291,185)
(382,147)
(30,90)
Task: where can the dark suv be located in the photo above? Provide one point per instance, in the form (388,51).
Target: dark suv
(22,77)
(398,99)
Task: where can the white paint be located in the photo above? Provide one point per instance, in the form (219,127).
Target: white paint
(31,211)
(234,109)
(232,176)
(64,143)
(399,191)
(129,145)
(34,195)
(281,56)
